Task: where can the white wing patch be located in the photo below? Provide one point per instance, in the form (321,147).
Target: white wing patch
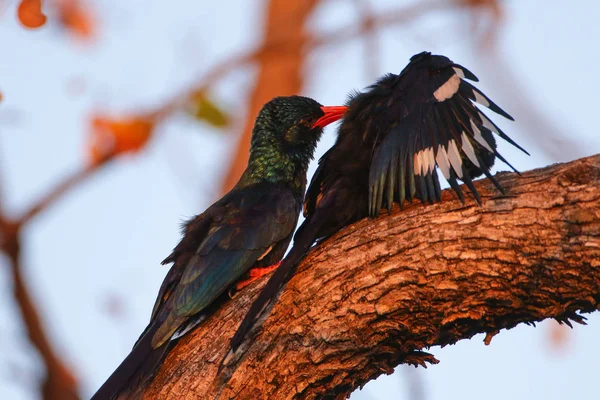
(442,161)
(417,163)
(431,159)
(418,167)
(480,99)
(479,138)
(424,162)
(486,122)
(459,72)
(454,157)
(468,149)
(448,89)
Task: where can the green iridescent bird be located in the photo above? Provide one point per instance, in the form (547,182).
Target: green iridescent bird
(250,227)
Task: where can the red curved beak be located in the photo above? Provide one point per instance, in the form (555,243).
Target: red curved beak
(332,114)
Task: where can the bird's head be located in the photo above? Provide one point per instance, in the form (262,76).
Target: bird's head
(285,136)
(295,120)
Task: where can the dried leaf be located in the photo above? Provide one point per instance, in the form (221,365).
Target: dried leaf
(204,109)
(30,14)
(76,18)
(110,138)
(492,5)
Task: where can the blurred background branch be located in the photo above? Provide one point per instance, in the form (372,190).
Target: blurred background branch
(288,33)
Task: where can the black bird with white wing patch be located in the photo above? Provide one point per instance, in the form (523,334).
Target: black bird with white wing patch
(392,138)
(423,118)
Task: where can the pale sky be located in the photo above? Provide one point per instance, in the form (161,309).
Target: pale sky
(103,243)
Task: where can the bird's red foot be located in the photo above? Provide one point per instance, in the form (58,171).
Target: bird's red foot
(256,273)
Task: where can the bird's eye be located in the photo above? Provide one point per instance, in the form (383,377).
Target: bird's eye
(307,122)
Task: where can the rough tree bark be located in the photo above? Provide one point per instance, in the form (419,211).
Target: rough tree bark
(377,293)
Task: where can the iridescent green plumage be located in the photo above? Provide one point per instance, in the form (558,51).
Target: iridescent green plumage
(251,226)
(277,161)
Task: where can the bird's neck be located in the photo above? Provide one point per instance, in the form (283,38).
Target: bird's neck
(270,162)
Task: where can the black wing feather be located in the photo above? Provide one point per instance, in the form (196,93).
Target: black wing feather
(430,104)
(470,91)
(468,74)
(456,187)
(467,180)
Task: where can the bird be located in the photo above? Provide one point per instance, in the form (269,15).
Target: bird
(392,139)
(249,227)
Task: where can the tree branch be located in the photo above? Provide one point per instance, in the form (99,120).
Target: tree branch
(284,43)
(280,71)
(59,382)
(380,291)
(58,191)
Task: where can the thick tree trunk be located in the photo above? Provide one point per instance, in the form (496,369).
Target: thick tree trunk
(377,293)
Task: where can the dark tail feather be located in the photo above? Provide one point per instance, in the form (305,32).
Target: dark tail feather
(302,243)
(139,364)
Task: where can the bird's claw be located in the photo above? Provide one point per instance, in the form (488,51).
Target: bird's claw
(255,274)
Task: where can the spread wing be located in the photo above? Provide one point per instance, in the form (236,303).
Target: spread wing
(426,118)
(236,232)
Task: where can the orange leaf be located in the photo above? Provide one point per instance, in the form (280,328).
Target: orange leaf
(492,5)
(110,138)
(1,96)
(76,18)
(30,14)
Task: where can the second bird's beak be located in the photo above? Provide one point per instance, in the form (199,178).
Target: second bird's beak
(332,114)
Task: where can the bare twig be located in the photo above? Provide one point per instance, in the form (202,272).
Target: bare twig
(341,35)
(57,192)
(371,47)
(60,383)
